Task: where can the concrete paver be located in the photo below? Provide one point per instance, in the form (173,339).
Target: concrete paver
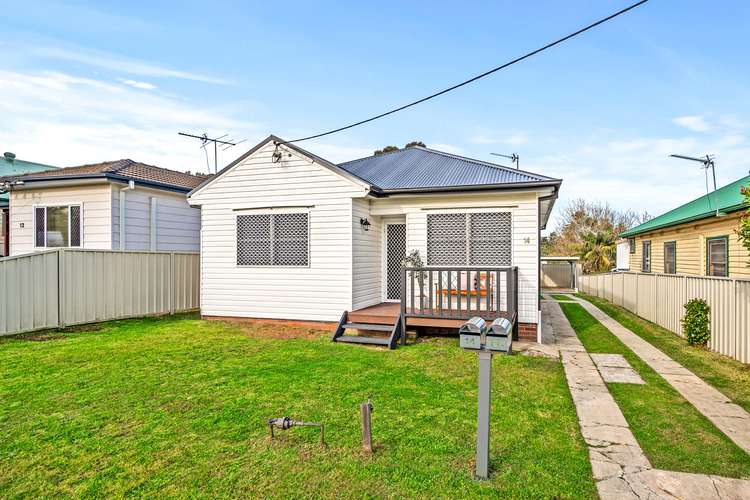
(619,466)
(729,417)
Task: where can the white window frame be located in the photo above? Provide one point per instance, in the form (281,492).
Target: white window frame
(45,206)
(468,230)
(274,211)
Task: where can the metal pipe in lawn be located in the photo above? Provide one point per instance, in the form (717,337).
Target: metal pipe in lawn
(285,423)
(366,411)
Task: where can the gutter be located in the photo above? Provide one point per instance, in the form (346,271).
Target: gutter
(129,187)
(514,186)
(706,215)
(54,180)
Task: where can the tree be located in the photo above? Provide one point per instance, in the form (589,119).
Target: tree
(743,233)
(590,228)
(388,149)
(598,251)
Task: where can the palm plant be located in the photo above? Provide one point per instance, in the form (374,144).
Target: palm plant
(598,251)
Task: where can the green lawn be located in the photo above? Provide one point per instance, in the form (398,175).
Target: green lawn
(558,296)
(177,407)
(724,373)
(672,433)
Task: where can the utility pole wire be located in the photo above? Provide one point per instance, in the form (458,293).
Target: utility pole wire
(466,82)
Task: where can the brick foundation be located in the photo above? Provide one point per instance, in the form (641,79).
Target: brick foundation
(527,331)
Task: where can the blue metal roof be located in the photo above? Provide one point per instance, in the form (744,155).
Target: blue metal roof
(417,168)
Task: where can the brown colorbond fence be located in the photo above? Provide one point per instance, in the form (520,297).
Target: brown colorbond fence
(660,298)
(56,288)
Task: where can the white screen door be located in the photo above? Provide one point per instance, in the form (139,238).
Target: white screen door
(395,235)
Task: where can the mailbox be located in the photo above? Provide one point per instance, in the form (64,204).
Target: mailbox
(500,336)
(471,332)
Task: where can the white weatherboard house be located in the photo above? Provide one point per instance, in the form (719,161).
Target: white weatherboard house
(115,205)
(288,235)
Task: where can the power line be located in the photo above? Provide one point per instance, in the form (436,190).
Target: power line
(466,82)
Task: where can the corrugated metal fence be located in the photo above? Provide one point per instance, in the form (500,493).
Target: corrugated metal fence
(57,288)
(660,298)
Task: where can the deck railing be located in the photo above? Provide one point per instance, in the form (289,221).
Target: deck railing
(459,292)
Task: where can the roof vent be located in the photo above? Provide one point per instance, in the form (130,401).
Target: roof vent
(9,156)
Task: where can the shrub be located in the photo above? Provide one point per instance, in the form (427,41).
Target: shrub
(696,322)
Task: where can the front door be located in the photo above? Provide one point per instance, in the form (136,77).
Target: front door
(395,238)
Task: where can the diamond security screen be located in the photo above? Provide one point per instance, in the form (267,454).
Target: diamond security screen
(396,251)
(272,239)
(490,239)
(476,239)
(446,239)
(290,238)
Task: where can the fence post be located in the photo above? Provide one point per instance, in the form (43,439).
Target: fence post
(61,288)
(172,284)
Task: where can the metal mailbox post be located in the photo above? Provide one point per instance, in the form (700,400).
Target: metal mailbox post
(474,336)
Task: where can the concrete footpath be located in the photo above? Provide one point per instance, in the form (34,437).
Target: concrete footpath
(620,468)
(729,417)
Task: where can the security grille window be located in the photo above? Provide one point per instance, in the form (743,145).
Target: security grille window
(670,257)
(58,227)
(717,256)
(475,239)
(631,242)
(273,239)
(646,257)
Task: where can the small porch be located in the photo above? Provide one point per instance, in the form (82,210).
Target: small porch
(436,297)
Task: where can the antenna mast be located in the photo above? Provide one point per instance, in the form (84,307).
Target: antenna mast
(708,162)
(205,139)
(512,157)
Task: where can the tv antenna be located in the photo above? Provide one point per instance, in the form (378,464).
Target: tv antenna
(512,157)
(205,140)
(708,162)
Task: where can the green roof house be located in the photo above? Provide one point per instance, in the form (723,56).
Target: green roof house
(696,238)
(11,167)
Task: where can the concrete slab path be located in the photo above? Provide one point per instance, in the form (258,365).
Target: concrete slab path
(620,468)
(729,417)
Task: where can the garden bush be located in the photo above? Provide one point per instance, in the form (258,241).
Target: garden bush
(696,322)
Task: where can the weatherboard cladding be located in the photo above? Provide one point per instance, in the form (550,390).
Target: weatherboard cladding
(727,199)
(423,168)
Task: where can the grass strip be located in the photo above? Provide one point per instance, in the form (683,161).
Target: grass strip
(672,432)
(728,375)
(559,297)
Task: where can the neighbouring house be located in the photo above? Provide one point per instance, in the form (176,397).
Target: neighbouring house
(623,255)
(10,166)
(286,234)
(114,205)
(696,238)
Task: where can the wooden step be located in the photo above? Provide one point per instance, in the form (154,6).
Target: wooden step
(356,339)
(368,326)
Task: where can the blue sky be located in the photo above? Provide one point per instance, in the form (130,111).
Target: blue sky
(85,82)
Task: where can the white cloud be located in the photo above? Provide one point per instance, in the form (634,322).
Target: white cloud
(116,63)
(695,123)
(638,174)
(65,120)
(137,84)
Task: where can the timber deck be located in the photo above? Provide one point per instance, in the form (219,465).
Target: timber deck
(386,313)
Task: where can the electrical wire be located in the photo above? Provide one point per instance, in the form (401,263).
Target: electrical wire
(466,82)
